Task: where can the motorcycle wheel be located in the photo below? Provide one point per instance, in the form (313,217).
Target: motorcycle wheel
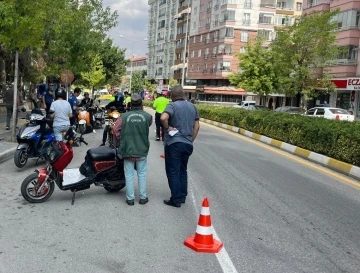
(32,181)
(114,189)
(20,158)
(82,129)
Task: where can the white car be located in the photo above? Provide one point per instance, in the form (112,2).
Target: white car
(330,113)
(244,104)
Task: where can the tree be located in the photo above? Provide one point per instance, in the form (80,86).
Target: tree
(303,50)
(172,82)
(150,87)
(114,62)
(96,76)
(137,82)
(257,73)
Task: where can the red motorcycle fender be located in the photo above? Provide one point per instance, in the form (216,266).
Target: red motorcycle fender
(42,174)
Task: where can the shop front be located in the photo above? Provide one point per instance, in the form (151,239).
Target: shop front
(346,95)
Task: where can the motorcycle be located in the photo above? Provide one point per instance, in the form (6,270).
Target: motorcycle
(33,137)
(99,117)
(111,120)
(103,167)
(84,124)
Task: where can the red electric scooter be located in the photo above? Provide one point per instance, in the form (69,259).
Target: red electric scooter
(103,166)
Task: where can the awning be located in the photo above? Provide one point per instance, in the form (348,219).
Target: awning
(176,16)
(189,89)
(224,90)
(174,67)
(188,10)
(180,66)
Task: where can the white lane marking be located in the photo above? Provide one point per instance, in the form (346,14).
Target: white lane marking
(223,257)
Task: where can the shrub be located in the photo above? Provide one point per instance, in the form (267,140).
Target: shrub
(336,139)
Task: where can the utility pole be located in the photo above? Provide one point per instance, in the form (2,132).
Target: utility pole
(15,108)
(185,46)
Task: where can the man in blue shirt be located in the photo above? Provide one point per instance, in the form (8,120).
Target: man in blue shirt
(48,97)
(74,104)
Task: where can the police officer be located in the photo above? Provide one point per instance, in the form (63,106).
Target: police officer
(159,106)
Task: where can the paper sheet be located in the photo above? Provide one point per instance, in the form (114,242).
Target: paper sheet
(72,176)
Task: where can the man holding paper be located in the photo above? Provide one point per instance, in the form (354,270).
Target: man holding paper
(181,122)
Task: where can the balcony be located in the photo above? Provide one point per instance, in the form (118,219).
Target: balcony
(207,40)
(160,27)
(171,36)
(339,62)
(214,55)
(213,70)
(216,23)
(246,22)
(205,71)
(162,3)
(162,14)
(215,39)
(225,69)
(206,56)
(160,39)
(208,10)
(207,25)
(216,7)
(248,5)
(160,50)
(313,3)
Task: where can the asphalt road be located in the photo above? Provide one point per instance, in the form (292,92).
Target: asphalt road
(273,214)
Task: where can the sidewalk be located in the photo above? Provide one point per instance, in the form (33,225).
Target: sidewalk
(8,148)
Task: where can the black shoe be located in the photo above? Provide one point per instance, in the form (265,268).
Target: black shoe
(157,139)
(102,144)
(7,128)
(130,202)
(143,201)
(171,203)
(183,201)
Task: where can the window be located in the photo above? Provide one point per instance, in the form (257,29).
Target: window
(320,112)
(348,53)
(193,54)
(281,20)
(266,34)
(224,66)
(192,68)
(194,41)
(201,8)
(214,50)
(310,112)
(227,32)
(281,5)
(197,67)
(298,6)
(200,23)
(242,49)
(244,36)
(246,19)
(200,40)
(195,10)
(265,18)
(247,4)
(348,19)
(194,25)
(227,15)
(199,53)
(216,35)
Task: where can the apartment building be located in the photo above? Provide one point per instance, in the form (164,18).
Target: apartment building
(181,45)
(161,33)
(136,64)
(345,68)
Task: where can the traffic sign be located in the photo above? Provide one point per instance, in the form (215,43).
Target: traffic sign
(68,74)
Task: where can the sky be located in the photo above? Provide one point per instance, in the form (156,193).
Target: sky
(132,24)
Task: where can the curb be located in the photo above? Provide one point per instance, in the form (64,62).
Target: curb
(331,163)
(6,155)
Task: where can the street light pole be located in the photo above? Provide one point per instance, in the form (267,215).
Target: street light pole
(132,56)
(185,46)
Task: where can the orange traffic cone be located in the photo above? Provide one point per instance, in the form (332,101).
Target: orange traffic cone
(203,240)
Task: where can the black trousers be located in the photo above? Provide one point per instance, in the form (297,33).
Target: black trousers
(158,126)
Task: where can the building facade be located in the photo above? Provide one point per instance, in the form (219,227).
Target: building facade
(161,38)
(136,64)
(345,68)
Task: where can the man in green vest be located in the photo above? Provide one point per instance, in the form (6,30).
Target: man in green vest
(159,106)
(134,147)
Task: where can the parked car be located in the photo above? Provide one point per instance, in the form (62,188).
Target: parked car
(256,108)
(290,110)
(330,113)
(244,103)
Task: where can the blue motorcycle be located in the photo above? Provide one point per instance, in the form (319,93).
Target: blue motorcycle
(34,138)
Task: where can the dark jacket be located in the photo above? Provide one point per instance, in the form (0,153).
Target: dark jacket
(134,138)
(86,104)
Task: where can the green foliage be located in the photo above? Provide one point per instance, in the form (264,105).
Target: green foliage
(302,50)
(149,86)
(296,59)
(173,82)
(148,103)
(257,70)
(137,81)
(336,139)
(96,76)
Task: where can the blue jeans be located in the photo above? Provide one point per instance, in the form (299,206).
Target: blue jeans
(58,130)
(141,168)
(176,160)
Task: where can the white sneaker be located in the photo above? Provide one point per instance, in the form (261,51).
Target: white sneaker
(94,131)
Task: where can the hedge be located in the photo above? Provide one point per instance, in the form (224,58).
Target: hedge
(336,139)
(333,138)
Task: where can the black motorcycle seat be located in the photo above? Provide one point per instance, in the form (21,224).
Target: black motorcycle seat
(101,153)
